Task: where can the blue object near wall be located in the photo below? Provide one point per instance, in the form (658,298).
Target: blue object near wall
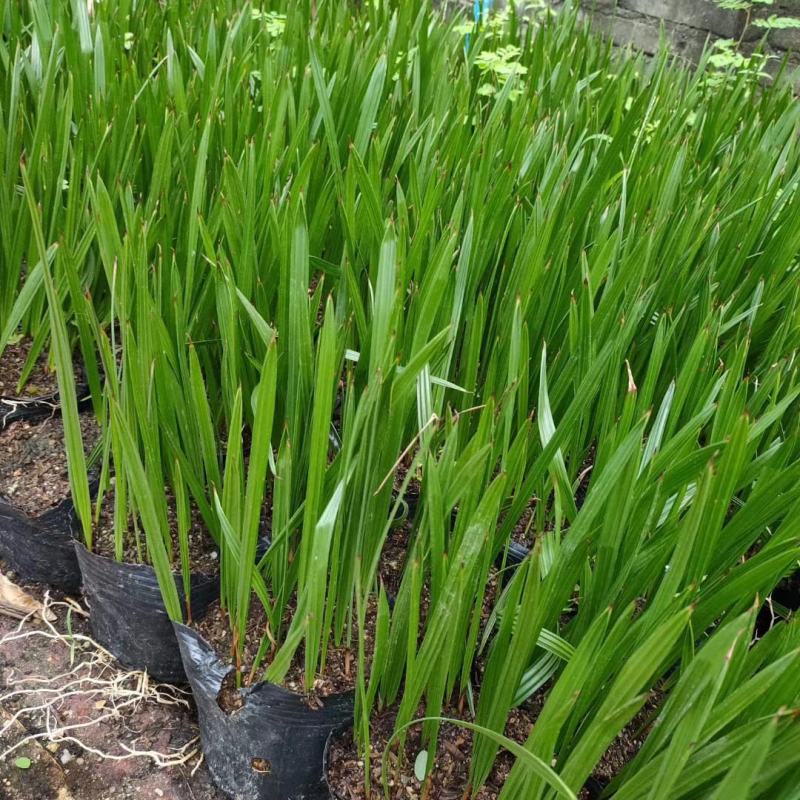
(479,8)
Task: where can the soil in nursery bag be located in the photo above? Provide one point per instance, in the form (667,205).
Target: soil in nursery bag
(267,741)
(38,398)
(41,381)
(37,518)
(449,778)
(450,774)
(127,612)
(33,463)
(524,533)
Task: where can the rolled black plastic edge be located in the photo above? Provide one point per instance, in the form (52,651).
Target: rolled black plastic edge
(785,594)
(128,616)
(514,554)
(594,787)
(275,746)
(40,549)
(33,409)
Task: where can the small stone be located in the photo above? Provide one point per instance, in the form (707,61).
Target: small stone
(66,757)
(79,762)
(159,793)
(52,746)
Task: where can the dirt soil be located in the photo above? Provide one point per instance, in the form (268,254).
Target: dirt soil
(63,770)
(33,462)
(449,778)
(203,551)
(42,381)
(341,663)
(163,721)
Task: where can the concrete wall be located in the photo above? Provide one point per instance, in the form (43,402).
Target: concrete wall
(688,24)
(788,40)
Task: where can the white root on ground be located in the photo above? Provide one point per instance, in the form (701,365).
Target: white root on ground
(95,677)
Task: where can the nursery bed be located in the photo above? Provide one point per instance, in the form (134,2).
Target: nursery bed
(474,327)
(63,771)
